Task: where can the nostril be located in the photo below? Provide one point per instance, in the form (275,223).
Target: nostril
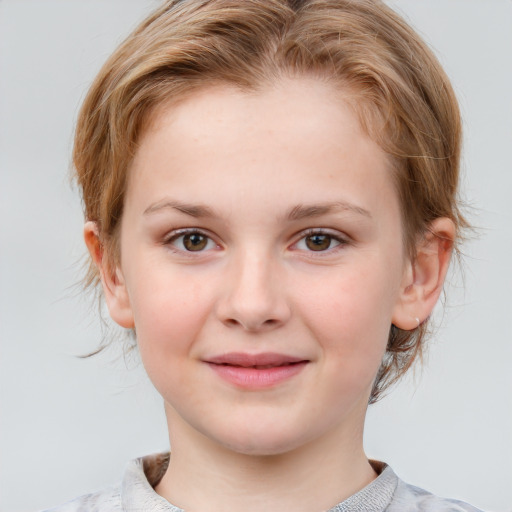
(252,326)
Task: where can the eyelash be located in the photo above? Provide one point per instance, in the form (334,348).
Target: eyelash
(173,237)
(336,237)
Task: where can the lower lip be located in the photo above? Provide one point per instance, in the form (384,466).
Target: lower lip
(254,378)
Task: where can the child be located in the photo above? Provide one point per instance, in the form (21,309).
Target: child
(270,199)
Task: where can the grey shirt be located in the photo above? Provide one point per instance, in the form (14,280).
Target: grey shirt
(387,493)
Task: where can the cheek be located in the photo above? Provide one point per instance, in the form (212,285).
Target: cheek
(350,317)
(168,314)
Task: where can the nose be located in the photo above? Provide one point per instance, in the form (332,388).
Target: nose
(254,298)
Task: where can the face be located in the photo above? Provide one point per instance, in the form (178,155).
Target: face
(261,264)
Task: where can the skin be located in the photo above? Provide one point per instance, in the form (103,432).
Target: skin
(258,175)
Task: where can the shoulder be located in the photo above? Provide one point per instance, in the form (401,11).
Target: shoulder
(414,499)
(136,491)
(107,500)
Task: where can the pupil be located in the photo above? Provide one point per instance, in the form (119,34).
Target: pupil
(194,242)
(318,242)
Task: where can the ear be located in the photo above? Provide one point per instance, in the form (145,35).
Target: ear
(112,279)
(424,277)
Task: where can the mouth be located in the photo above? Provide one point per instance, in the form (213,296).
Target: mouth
(259,366)
(256,371)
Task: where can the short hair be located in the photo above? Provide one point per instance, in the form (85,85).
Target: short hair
(399,91)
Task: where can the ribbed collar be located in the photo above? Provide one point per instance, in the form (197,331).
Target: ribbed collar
(141,475)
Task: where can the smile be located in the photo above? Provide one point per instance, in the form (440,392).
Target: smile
(256,371)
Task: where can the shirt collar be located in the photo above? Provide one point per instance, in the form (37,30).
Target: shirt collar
(141,475)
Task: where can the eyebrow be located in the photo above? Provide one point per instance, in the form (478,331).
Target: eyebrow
(315,210)
(193,210)
(298,212)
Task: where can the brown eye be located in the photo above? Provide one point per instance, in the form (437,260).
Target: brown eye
(195,242)
(318,242)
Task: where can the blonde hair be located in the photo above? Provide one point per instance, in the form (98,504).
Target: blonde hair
(401,94)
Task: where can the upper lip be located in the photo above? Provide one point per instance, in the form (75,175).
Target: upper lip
(268,359)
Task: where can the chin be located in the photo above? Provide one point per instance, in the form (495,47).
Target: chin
(258,448)
(266,443)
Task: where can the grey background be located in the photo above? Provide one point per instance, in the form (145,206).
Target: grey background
(67,426)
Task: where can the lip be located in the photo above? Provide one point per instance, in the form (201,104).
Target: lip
(256,371)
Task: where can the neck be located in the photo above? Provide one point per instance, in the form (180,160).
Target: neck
(205,476)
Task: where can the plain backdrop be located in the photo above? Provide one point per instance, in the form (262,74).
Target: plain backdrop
(69,425)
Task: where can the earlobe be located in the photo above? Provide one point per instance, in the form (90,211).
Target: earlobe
(112,279)
(424,277)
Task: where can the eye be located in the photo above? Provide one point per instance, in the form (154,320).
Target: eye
(191,241)
(319,241)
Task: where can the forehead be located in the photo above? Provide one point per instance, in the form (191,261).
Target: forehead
(312,99)
(301,135)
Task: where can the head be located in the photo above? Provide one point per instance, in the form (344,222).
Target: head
(389,78)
